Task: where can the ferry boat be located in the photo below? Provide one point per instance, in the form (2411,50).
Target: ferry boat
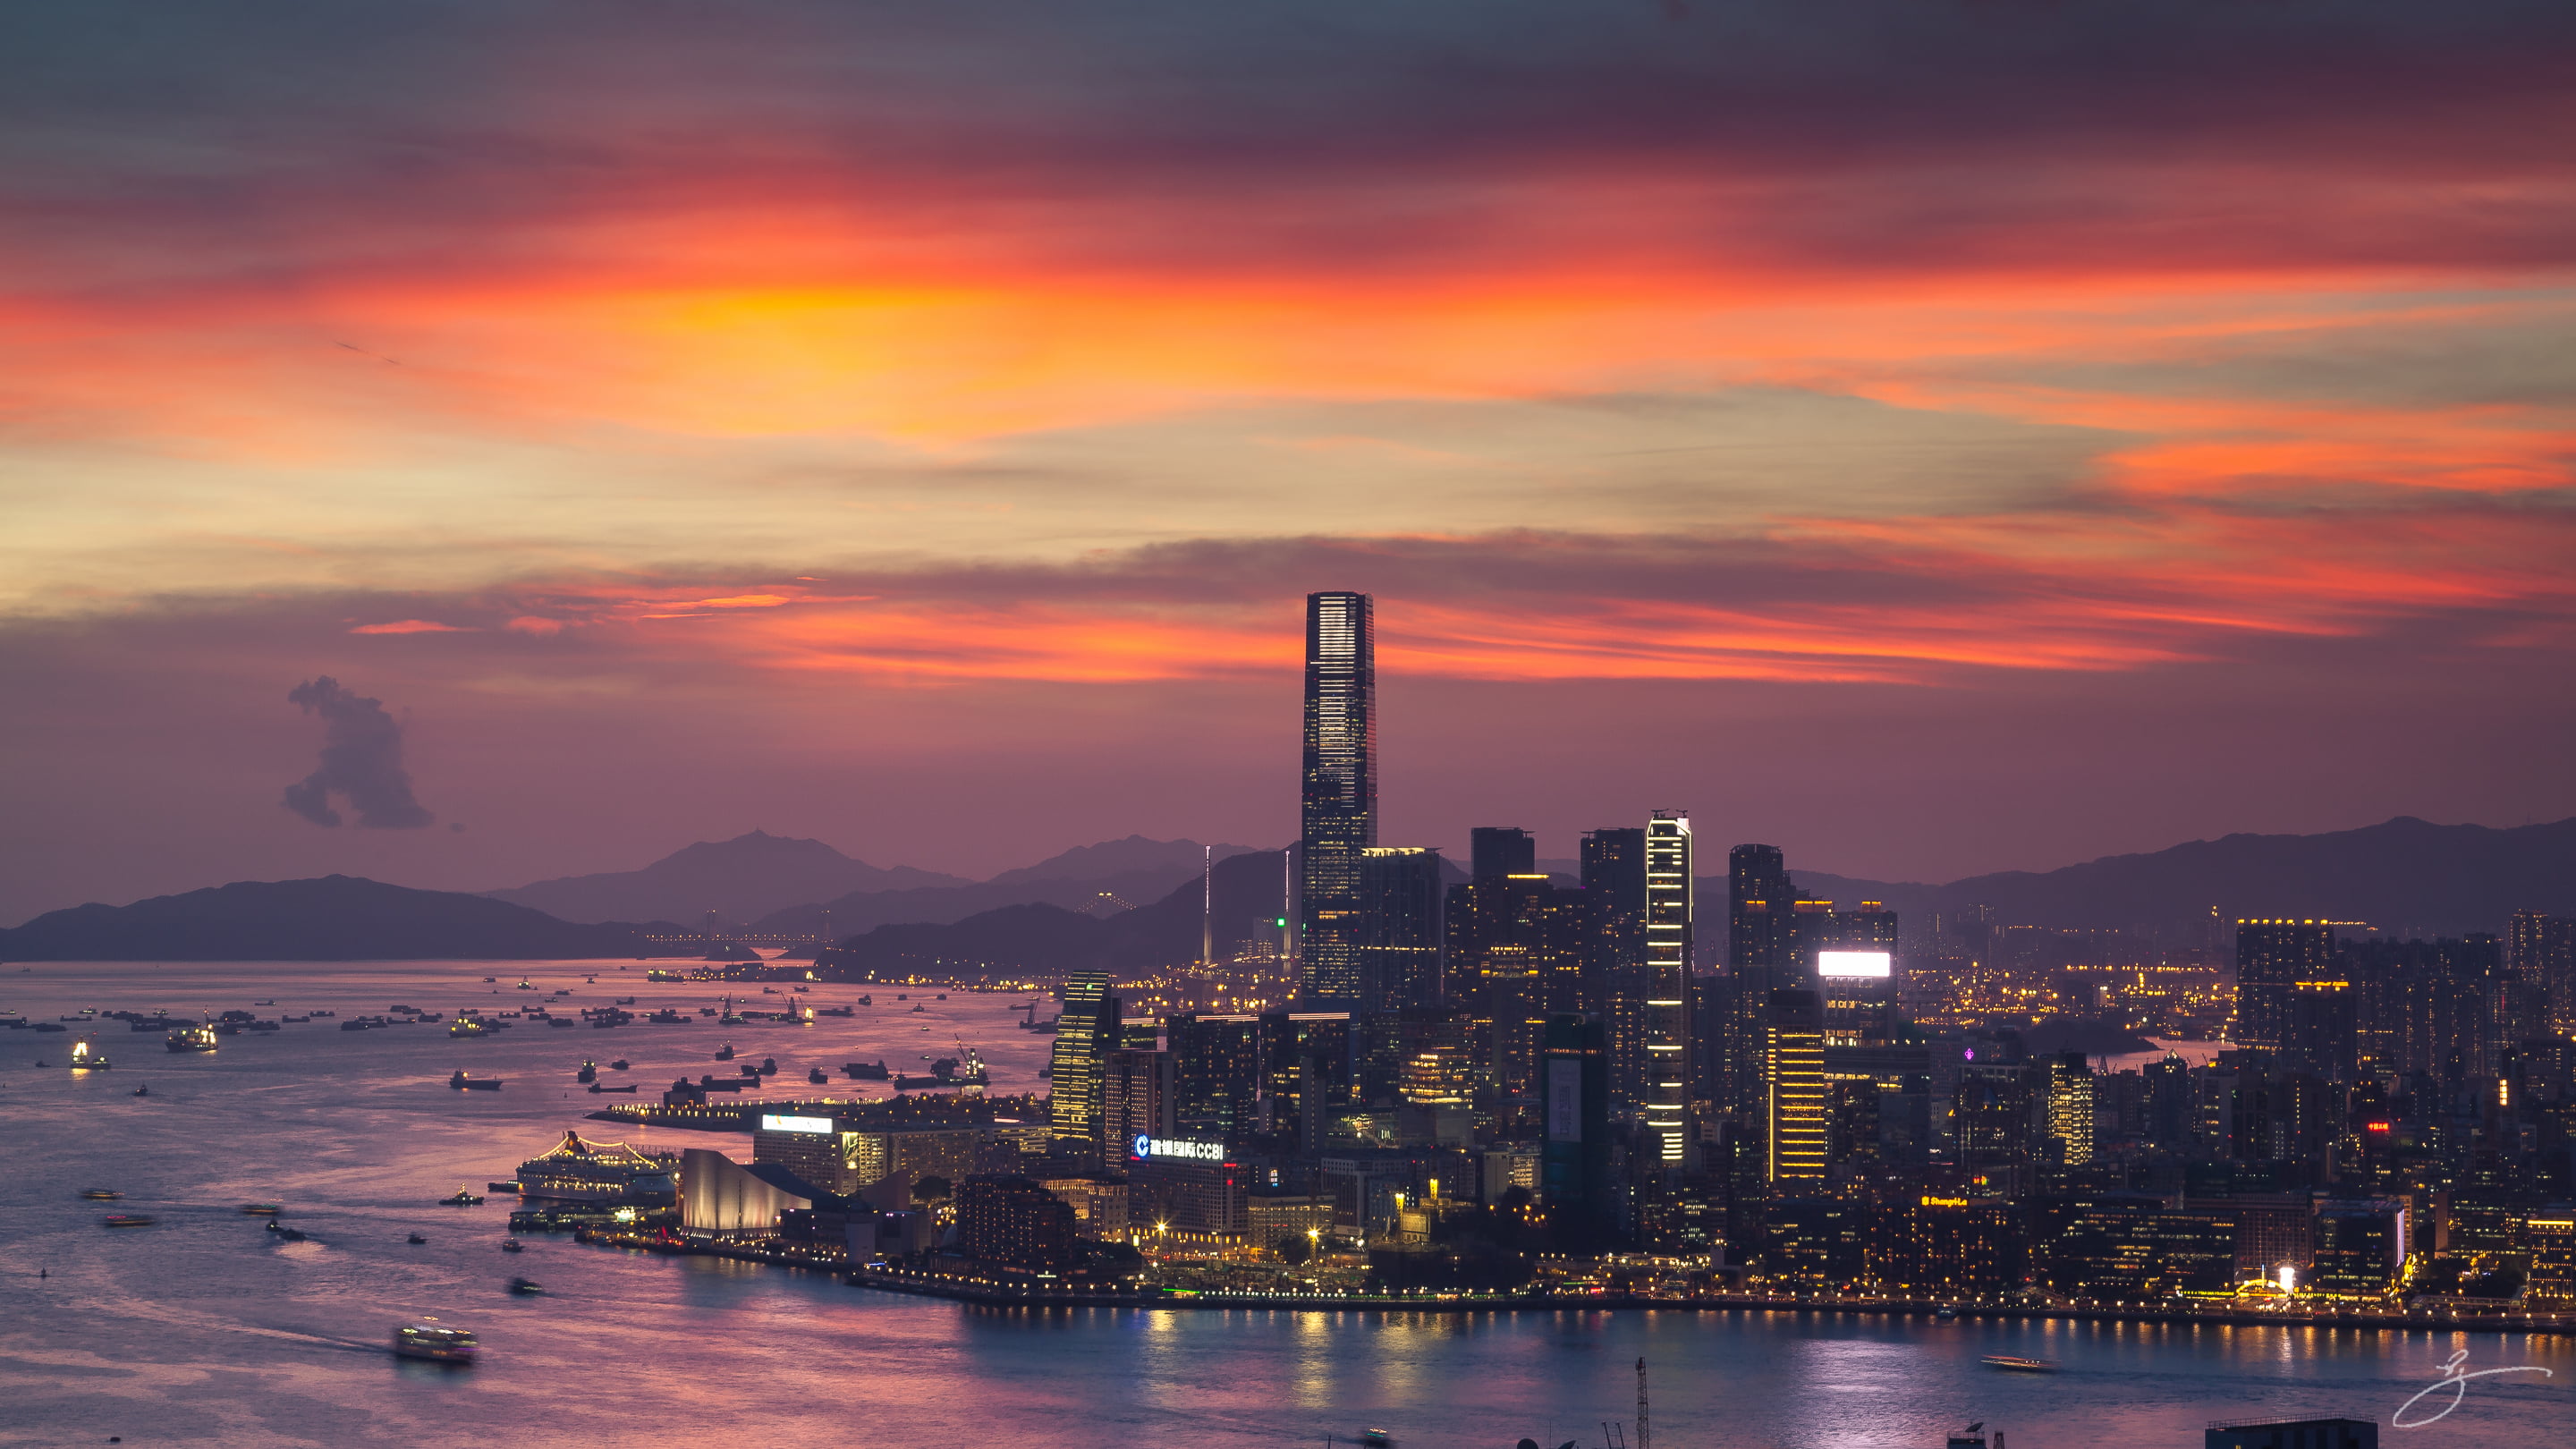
(2011,1363)
(192,1039)
(435,1342)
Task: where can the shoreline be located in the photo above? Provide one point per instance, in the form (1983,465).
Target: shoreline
(930,1285)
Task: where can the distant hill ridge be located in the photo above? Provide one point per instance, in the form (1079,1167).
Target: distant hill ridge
(2406,876)
(331,918)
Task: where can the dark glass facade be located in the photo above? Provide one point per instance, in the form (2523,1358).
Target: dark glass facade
(1338,796)
(1400,928)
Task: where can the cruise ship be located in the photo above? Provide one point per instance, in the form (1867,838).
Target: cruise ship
(580,1170)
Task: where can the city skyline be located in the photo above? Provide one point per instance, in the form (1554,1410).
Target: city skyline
(1774,429)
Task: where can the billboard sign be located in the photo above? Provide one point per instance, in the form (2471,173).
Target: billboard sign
(1176,1149)
(770,1122)
(1852,963)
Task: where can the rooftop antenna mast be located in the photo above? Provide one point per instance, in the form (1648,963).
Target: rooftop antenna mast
(1207,905)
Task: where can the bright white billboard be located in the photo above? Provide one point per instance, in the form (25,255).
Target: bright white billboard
(1852,963)
(772,1123)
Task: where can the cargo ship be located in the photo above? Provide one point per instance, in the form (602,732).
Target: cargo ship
(192,1039)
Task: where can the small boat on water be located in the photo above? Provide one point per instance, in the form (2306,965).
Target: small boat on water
(143,1091)
(596,1088)
(463,1197)
(725,1053)
(2011,1363)
(618,1065)
(435,1342)
(416,1240)
(128,1220)
(512,1245)
(261,1209)
(86,1060)
(1945,1312)
(816,1077)
(589,1072)
(527,1287)
(102,1194)
(464,1083)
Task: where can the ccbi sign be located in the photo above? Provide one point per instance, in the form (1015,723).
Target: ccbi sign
(770,1123)
(1178,1147)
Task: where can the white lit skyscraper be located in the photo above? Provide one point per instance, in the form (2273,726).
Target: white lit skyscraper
(1665,1103)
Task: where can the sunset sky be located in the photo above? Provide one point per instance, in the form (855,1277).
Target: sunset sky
(1933,438)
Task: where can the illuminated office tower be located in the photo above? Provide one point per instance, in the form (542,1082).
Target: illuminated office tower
(1399,928)
(1515,954)
(2070,1108)
(2271,958)
(1793,1070)
(1086,1033)
(1338,798)
(1665,1110)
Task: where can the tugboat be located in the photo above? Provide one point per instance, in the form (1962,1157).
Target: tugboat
(618,1065)
(867,1000)
(463,1197)
(725,1053)
(429,1339)
(416,1240)
(769,1066)
(191,1039)
(512,1245)
(589,1072)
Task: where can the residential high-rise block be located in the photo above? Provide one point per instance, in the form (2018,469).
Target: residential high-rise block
(1338,796)
(2540,950)
(1217,1062)
(2272,957)
(1515,951)
(1665,1110)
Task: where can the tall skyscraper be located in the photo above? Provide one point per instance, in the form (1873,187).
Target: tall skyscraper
(1758,899)
(2272,957)
(1086,1033)
(1495,851)
(1338,799)
(1666,1108)
(1614,960)
(1400,923)
(1515,955)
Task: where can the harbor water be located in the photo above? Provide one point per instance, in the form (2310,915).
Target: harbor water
(205,1329)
